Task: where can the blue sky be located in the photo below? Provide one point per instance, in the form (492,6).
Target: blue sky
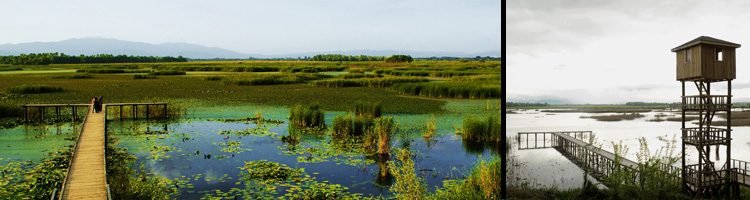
(615,51)
(264,27)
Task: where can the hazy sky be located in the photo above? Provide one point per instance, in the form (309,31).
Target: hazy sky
(592,51)
(264,27)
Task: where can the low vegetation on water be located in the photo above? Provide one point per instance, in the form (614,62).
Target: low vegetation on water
(616,118)
(34,89)
(39,182)
(127,182)
(307,115)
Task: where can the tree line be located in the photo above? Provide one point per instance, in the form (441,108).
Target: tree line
(521,104)
(61,58)
(339,57)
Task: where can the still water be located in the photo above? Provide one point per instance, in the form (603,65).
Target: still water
(548,168)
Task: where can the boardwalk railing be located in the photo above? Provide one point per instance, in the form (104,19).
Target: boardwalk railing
(598,162)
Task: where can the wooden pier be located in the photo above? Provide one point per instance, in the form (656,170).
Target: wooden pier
(87,176)
(601,164)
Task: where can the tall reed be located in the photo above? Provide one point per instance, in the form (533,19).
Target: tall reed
(487,129)
(307,115)
(34,89)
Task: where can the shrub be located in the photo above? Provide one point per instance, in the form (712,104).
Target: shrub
(408,185)
(368,109)
(309,115)
(487,129)
(167,72)
(34,89)
(142,76)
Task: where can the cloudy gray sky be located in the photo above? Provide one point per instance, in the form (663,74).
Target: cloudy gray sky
(264,26)
(592,51)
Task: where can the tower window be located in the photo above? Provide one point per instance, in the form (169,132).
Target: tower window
(719,55)
(687,55)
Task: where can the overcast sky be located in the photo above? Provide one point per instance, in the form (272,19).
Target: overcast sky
(592,51)
(264,27)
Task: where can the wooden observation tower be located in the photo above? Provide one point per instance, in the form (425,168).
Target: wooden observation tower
(706,61)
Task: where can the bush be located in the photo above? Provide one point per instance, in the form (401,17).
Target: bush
(309,115)
(167,72)
(487,129)
(34,89)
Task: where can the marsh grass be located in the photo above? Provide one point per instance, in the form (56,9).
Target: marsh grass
(351,125)
(10,110)
(167,72)
(482,183)
(487,129)
(272,79)
(102,71)
(366,82)
(383,129)
(74,76)
(143,76)
(307,115)
(368,109)
(34,89)
(430,128)
(472,90)
(213,78)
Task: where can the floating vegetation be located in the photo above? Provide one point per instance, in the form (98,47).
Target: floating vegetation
(128,183)
(272,171)
(258,119)
(259,131)
(232,147)
(34,89)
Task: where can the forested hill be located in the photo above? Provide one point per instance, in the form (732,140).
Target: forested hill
(61,58)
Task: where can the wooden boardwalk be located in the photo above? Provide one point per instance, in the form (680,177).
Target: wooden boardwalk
(87,177)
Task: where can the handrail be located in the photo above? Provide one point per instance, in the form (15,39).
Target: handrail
(75,149)
(104,108)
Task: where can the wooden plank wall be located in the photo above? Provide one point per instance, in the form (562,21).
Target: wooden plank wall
(704,65)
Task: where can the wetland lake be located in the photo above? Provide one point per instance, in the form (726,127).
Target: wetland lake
(548,168)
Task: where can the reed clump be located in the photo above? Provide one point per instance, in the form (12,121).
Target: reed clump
(366,82)
(368,109)
(351,125)
(74,76)
(34,89)
(307,115)
(102,71)
(486,129)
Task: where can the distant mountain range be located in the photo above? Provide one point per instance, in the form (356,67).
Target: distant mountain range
(90,46)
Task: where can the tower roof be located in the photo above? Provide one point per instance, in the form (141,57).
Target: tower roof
(705,40)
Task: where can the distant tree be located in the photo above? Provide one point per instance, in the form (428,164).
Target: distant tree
(399,58)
